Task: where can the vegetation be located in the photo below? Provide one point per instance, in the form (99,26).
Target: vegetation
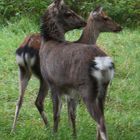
(122,105)
(124,11)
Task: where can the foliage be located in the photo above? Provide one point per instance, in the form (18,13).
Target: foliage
(17,8)
(123,100)
(124,11)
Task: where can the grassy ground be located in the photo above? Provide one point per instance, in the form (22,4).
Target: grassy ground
(123,101)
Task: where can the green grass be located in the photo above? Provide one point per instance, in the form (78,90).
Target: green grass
(122,111)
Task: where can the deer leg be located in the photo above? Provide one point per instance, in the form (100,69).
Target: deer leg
(101,105)
(72,113)
(24,77)
(101,102)
(40,101)
(57,105)
(95,111)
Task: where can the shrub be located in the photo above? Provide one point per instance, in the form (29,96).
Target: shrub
(124,11)
(17,8)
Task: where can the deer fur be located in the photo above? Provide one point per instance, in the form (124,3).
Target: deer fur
(69,66)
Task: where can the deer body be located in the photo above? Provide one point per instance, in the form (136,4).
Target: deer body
(75,67)
(69,68)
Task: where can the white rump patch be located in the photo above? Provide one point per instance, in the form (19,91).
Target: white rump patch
(20,60)
(30,60)
(103,62)
(103,70)
(33,60)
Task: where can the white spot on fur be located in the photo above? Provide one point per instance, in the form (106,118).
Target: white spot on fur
(94,13)
(103,72)
(62,2)
(30,60)
(103,62)
(103,136)
(33,60)
(20,60)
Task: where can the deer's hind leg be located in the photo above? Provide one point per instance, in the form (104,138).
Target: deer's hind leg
(90,98)
(24,77)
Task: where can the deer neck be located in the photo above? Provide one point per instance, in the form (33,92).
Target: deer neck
(51,29)
(56,35)
(90,33)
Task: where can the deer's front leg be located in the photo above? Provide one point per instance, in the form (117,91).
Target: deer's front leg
(57,105)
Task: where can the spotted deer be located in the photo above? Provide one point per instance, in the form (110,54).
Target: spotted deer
(67,66)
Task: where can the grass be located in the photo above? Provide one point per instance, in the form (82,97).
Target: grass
(123,100)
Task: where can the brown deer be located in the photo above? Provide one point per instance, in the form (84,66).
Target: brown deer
(69,66)
(28,59)
(97,22)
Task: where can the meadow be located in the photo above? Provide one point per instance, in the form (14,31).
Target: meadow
(122,110)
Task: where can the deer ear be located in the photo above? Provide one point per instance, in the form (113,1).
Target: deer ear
(98,9)
(94,13)
(58,3)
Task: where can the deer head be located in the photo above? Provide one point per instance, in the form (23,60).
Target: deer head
(59,19)
(103,22)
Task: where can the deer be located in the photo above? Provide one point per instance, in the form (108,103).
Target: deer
(97,22)
(67,66)
(27,57)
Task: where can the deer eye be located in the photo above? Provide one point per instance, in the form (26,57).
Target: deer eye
(105,18)
(68,14)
